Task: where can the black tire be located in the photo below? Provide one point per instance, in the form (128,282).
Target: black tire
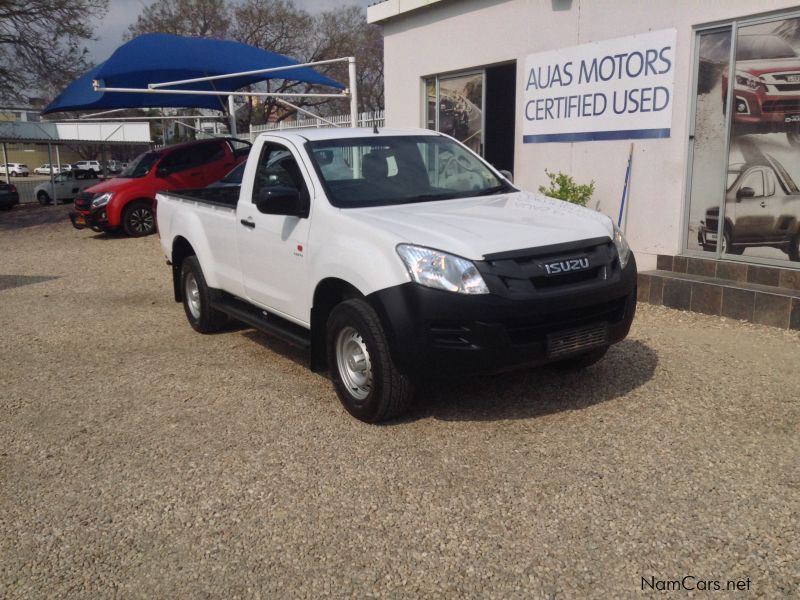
(138,219)
(793,137)
(794,248)
(197,306)
(728,247)
(43,198)
(581,361)
(386,392)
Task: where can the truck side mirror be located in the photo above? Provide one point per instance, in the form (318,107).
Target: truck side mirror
(282,200)
(745,192)
(507,174)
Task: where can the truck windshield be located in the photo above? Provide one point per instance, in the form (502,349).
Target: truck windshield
(141,165)
(375,171)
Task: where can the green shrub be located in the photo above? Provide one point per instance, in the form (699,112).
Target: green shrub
(563,187)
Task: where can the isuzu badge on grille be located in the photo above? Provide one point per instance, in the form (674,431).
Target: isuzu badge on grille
(567,266)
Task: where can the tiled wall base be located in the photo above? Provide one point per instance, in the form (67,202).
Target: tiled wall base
(765,295)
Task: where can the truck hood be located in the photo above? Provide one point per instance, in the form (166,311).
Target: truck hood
(113,185)
(475,227)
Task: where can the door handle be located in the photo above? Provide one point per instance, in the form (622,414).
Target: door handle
(763,204)
(248,223)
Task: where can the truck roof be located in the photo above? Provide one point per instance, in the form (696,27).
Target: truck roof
(337,133)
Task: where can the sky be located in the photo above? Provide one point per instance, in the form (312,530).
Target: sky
(122,13)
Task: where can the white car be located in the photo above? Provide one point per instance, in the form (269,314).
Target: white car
(45,169)
(65,186)
(15,170)
(395,256)
(88,165)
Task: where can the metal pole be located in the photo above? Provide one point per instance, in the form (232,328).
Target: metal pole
(52,182)
(5,164)
(58,160)
(351,67)
(232,116)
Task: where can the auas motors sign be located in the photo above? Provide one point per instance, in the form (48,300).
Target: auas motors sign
(611,90)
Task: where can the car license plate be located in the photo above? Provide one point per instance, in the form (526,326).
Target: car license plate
(711,237)
(793,78)
(791,119)
(80,220)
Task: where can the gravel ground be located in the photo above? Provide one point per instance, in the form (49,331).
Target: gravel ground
(140,459)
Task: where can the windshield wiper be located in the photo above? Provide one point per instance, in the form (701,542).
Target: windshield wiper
(497,189)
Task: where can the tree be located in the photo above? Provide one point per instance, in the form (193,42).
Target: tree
(204,18)
(41,44)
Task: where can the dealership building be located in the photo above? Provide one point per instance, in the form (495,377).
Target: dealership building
(712,202)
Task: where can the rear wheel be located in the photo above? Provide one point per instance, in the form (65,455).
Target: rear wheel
(43,198)
(138,219)
(368,383)
(197,299)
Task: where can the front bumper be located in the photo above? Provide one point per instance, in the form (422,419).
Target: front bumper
(438,333)
(95,219)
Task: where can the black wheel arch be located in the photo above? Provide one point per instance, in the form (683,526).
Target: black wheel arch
(181,250)
(328,293)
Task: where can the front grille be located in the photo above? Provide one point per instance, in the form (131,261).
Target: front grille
(525,331)
(788,105)
(531,331)
(84,200)
(523,273)
(574,340)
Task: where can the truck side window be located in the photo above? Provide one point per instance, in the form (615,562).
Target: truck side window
(769,177)
(755,180)
(277,167)
(178,160)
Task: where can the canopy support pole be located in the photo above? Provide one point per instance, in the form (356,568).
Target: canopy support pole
(351,68)
(5,163)
(231,116)
(52,177)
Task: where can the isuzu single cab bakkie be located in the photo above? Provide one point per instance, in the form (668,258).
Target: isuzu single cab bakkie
(397,256)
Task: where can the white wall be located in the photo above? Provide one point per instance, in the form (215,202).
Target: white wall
(455,35)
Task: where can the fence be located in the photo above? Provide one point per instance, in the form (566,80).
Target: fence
(366,119)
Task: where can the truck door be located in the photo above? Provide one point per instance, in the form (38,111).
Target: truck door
(272,246)
(752,218)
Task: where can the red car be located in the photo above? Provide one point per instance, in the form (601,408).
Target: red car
(767,85)
(126,201)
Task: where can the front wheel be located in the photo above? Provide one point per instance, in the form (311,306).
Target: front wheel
(727,245)
(368,383)
(43,198)
(794,248)
(793,137)
(138,219)
(197,299)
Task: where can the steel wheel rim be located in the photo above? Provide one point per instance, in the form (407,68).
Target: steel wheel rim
(724,245)
(192,291)
(353,362)
(141,220)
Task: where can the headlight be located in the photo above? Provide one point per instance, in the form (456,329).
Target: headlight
(747,80)
(623,250)
(441,271)
(102,200)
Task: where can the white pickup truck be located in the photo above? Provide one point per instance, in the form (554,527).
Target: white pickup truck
(395,256)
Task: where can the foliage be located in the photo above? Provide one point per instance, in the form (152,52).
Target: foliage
(41,45)
(563,187)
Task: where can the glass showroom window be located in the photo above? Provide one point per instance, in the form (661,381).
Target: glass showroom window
(743,196)
(453,104)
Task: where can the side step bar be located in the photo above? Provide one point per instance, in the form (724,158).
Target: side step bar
(260,319)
